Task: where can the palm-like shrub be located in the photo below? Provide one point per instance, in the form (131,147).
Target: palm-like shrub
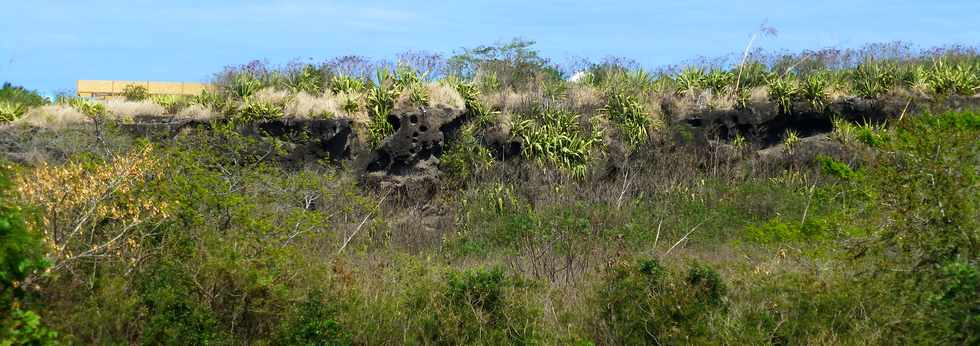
(871,80)
(630,116)
(346,84)
(718,80)
(261,111)
(555,136)
(10,111)
(782,91)
(136,93)
(945,78)
(690,80)
(381,101)
(244,85)
(309,80)
(815,89)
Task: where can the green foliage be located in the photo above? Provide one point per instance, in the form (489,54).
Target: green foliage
(11,111)
(480,306)
(872,80)
(315,324)
(815,90)
(778,231)
(18,95)
(91,109)
(927,186)
(690,81)
(253,112)
(945,78)
(512,64)
(835,168)
(135,92)
(645,303)
(555,136)
(630,116)
(21,255)
(465,156)
(244,85)
(381,101)
(347,84)
(310,80)
(171,103)
(783,90)
(957,302)
(870,134)
(213,101)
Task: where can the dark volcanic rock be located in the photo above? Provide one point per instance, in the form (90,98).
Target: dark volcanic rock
(765,124)
(409,158)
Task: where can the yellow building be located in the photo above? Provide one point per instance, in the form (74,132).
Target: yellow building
(113,89)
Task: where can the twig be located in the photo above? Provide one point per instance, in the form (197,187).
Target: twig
(366,217)
(683,238)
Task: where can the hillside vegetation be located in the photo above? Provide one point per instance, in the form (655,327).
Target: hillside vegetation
(828,197)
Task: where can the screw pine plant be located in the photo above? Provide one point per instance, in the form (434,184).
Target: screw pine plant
(872,80)
(782,91)
(630,116)
(814,89)
(555,136)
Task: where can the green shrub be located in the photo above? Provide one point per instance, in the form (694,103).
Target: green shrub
(644,303)
(345,84)
(315,324)
(465,156)
(835,168)
(244,85)
(776,231)
(476,307)
(171,103)
(310,80)
(872,80)
(630,116)
(254,112)
(134,92)
(20,96)
(555,136)
(945,78)
(783,90)
(927,187)
(814,89)
(11,111)
(690,81)
(21,255)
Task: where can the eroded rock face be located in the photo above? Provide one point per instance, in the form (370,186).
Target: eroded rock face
(409,158)
(765,124)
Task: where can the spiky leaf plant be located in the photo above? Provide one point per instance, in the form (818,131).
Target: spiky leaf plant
(346,84)
(815,89)
(244,85)
(690,80)
(871,79)
(555,136)
(254,112)
(10,111)
(782,91)
(945,78)
(629,116)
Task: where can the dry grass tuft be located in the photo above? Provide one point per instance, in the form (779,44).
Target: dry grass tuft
(584,98)
(306,106)
(439,95)
(272,95)
(444,95)
(196,112)
(126,109)
(55,116)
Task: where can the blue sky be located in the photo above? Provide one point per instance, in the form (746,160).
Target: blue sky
(47,45)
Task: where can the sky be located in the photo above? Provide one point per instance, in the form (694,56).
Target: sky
(47,45)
